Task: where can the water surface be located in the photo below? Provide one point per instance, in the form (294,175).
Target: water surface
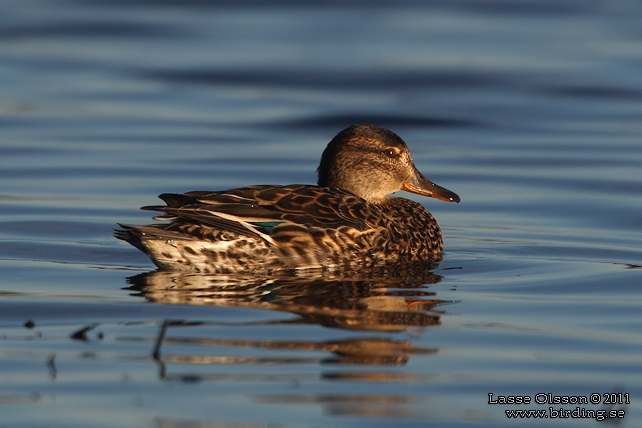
(530,111)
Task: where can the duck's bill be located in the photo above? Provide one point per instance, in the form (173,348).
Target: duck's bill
(422,186)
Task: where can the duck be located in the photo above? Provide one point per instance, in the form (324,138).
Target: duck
(347,222)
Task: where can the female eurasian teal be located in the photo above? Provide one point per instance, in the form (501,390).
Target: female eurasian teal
(346,222)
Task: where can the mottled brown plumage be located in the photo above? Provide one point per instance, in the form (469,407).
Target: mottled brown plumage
(346,222)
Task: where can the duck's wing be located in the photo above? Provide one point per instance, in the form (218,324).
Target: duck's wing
(260,211)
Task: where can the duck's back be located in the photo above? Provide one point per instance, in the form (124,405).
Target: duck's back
(269,228)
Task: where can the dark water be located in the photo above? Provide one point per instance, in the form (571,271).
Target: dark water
(531,111)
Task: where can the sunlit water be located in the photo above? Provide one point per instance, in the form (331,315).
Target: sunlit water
(530,111)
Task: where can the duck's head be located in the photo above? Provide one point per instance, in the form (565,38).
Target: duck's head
(372,162)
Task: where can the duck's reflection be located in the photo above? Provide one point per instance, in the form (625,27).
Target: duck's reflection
(382,302)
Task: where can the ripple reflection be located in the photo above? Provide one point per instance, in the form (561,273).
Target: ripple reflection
(389,302)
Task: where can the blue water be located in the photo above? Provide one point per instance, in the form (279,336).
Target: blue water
(531,111)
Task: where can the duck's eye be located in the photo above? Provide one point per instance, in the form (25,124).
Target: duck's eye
(391,153)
